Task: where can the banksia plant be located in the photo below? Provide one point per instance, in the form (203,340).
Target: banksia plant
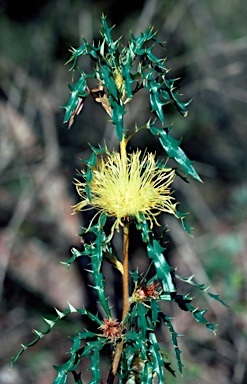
(128,190)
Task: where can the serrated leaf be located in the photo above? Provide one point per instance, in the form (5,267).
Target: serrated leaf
(142,225)
(163,269)
(87,334)
(157,361)
(185,226)
(154,311)
(199,316)
(157,106)
(154,59)
(94,367)
(76,344)
(173,150)
(76,90)
(217,298)
(106,31)
(95,252)
(181,107)
(202,287)
(49,322)
(70,365)
(139,311)
(95,318)
(165,297)
(138,42)
(108,81)
(61,378)
(174,336)
(129,354)
(76,52)
(75,254)
(118,112)
(94,345)
(126,73)
(154,89)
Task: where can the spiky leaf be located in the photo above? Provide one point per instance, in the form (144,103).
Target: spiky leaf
(163,269)
(76,90)
(173,150)
(202,287)
(61,378)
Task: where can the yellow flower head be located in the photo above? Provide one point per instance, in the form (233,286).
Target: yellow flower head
(132,188)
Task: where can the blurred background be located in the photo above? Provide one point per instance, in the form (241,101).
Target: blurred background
(206,45)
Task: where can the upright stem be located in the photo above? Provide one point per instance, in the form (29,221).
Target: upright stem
(125,271)
(123,152)
(119,346)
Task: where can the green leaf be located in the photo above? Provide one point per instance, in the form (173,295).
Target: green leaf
(181,107)
(91,350)
(147,373)
(199,316)
(118,112)
(108,81)
(126,73)
(76,52)
(75,254)
(163,269)
(139,311)
(157,361)
(61,378)
(76,344)
(154,89)
(142,225)
(70,365)
(157,106)
(106,31)
(173,150)
(154,59)
(129,354)
(94,345)
(217,298)
(87,335)
(94,366)
(174,336)
(51,324)
(95,251)
(202,287)
(76,90)
(137,43)
(185,226)
(40,334)
(154,311)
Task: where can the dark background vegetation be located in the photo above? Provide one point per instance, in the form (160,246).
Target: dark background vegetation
(206,44)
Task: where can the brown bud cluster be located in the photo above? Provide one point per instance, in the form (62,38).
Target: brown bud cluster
(111,329)
(148,292)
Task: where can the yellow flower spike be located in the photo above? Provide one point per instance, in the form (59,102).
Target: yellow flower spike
(128,189)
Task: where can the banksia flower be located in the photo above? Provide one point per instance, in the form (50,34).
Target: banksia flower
(135,187)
